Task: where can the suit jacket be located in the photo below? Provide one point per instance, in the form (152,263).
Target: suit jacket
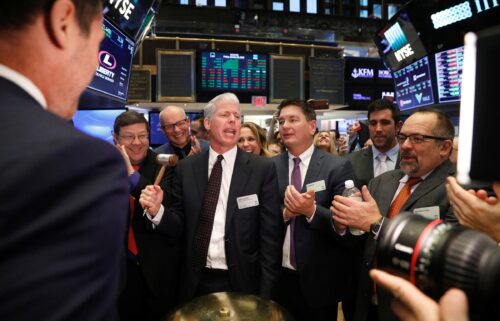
(362,162)
(158,253)
(321,254)
(168,149)
(431,192)
(63,216)
(253,236)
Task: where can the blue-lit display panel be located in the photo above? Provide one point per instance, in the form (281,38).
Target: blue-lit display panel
(413,85)
(449,65)
(115,60)
(98,123)
(237,72)
(156,136)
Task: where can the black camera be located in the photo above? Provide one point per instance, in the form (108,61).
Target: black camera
(436,256)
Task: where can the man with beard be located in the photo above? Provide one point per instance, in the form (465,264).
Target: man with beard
(383,155)
(418,186)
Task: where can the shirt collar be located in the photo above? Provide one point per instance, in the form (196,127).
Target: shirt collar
(25,83)
(305,157)
(392,154)
(229,156)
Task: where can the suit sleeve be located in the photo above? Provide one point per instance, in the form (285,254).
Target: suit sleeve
(272,232)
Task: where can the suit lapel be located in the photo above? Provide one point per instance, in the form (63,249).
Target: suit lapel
(200,170)
(368,153)
(241,173)
(313,169)
(282,172)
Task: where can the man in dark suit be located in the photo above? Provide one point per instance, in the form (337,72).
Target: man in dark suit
(175,125)
(152,257)
(314,264)
(425,140)
(383,124)
(63,194)
(231,221)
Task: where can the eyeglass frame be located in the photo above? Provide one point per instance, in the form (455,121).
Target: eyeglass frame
(179,124)
(132,137)
(412,138)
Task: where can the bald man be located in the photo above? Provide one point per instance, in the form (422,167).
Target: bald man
(174,123)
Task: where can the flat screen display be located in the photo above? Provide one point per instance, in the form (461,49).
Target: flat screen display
(97,122)
(359,96)
(115,61)
(449,66)
(128,15)
(413,85)
(398,42)
(235,72)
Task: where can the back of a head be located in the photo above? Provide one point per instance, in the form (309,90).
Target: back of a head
(14,15)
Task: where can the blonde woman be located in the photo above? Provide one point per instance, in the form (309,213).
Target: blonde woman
(323,140)
(253,140)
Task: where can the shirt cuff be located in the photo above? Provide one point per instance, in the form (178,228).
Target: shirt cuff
(157,219)
(309,219)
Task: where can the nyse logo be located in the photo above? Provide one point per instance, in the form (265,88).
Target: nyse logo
(362,73)
(404,52)
(107,60)
(124,7)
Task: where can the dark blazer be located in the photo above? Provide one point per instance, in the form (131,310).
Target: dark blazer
(158,253)
(320,252)
(63,216)
(362,162)
(431,192)
(253,236)
(168,149)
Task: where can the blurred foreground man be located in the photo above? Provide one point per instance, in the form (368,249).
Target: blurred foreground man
(64,194)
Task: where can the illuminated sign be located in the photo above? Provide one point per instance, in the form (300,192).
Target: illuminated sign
(362,73)
(449,65)
(404,52)
(460,12)
(384,73)
(124,7)
(396,37)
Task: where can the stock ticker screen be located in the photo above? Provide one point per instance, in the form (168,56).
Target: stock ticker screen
(115,59)
(237,72)
(413,85)
(449,65)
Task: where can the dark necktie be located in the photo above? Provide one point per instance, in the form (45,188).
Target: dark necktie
(297,183)
(131,244)
(402,197)
(206,221)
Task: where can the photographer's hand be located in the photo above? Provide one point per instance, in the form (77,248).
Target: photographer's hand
(474,209)
(411,304)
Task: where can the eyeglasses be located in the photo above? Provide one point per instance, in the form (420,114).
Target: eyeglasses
(179,124)
(130,138)
(417,138)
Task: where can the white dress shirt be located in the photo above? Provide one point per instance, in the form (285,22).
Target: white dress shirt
(305,159)
(23,82)
(392,158)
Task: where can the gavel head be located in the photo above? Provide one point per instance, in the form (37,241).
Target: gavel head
(167,159)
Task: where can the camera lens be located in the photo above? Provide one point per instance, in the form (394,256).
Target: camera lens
(437,256)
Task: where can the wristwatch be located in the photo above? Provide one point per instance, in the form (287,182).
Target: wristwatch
(375,227)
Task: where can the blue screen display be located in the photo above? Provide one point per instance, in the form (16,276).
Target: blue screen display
(97,123)
(115,59)
(413,85)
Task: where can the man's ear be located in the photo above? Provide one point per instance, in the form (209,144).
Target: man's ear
(206,122)
(61,22)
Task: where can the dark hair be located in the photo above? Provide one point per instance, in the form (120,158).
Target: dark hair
(306,108)
(444,127)
(202,123)
(17,14)
(130,117)
(381,104)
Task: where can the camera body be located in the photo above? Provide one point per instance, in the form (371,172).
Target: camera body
(436,256)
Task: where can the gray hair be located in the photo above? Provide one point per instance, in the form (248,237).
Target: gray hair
(209,108)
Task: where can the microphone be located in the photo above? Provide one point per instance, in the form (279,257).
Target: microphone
(164,160)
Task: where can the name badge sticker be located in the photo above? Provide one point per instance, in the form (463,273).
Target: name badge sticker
(247,201)
(431,212)
(316,186)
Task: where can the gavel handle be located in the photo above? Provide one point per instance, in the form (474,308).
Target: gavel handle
(160,175)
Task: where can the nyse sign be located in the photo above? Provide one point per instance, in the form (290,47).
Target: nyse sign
(404,52)
(124,7)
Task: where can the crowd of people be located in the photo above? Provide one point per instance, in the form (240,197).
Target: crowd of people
(87,234)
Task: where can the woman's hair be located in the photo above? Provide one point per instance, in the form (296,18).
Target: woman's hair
(260,136)
(333,146)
